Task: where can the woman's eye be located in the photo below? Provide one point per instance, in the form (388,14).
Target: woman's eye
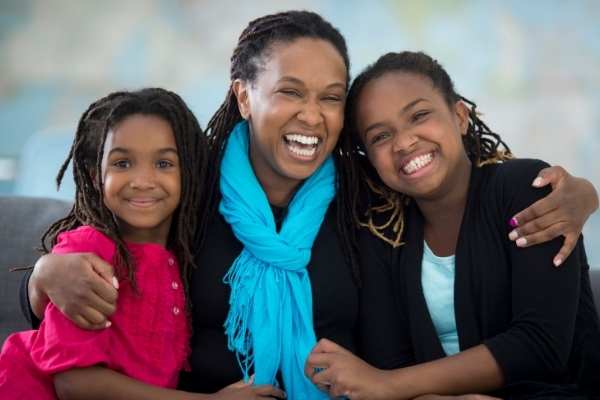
(164,164)
(291,92)
(420,115)
(333,98)
(122,164)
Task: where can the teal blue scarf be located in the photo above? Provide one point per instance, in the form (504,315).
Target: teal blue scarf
(270,321)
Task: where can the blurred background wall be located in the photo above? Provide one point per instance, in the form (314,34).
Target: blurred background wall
(533,68)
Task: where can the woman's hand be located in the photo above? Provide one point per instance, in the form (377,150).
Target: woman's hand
(338,372)
(81,285)
(562,212)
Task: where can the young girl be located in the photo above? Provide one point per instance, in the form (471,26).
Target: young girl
(471,309)
(139,160)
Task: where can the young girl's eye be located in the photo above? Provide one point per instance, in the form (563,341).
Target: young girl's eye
(122,164)
(162,164)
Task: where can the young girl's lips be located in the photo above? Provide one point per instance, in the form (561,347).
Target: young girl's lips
(418,166)
(143,203)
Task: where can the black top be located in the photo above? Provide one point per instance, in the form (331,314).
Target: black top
(335,301)
(512,300)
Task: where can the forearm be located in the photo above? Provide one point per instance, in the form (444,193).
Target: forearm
(38,299)
(472,371)
(99,383)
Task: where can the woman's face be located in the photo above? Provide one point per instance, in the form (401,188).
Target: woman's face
(411,136)
(295,108)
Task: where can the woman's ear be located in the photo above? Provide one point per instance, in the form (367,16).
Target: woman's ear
(462,114)
(240,89)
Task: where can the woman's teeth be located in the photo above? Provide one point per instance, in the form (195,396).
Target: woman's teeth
(302,145)
(417,163)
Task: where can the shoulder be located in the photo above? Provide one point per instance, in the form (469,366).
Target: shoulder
(84,239)
(509,183)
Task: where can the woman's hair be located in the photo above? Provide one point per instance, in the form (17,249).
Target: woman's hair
(87,152)
(386,219)
(253,48)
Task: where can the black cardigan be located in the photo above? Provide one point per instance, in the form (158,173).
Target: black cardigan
(512,300)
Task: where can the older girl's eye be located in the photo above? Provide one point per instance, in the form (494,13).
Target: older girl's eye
(378,137)
(122,164)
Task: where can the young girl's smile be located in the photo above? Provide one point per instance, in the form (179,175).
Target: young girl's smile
(141,177)
(411,135)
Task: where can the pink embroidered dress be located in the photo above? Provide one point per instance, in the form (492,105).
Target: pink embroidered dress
(148,339)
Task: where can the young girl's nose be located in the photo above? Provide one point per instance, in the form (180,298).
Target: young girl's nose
(143,178)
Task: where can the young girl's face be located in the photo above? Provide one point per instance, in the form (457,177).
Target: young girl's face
(142,178)
(295,108)
(411,136)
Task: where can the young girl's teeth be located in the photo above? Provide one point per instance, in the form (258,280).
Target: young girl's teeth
(417,163)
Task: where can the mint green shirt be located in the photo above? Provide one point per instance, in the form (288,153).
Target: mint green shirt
(437,279)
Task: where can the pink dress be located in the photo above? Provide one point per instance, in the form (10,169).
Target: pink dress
(148,340)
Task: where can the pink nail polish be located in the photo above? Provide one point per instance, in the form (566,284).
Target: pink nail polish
(513,222)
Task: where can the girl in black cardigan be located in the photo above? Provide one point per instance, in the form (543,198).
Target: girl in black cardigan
(508,319)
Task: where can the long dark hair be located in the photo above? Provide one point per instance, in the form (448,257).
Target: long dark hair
(382,209)
(86,155)
(252,47)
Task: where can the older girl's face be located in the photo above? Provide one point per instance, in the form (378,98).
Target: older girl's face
(295,108)
(411,136)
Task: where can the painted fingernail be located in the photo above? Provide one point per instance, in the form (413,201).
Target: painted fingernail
(537,182)
(108,324)
(513,235)
(513,222)
(557,261)
(521,242)
(115,282)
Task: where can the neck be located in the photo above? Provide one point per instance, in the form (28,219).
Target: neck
(443,215)
(156,235)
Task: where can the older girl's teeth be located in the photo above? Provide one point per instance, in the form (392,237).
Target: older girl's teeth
(417,163)
(307,140)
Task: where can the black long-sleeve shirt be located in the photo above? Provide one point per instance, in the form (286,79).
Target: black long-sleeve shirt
(511,299)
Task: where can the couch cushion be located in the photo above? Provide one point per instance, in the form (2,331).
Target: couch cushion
(23,221)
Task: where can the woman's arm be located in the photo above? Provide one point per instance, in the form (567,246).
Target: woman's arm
(563,212)
(81,285)
(99,383)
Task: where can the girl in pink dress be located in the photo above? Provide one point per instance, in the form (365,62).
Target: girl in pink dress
(139,162)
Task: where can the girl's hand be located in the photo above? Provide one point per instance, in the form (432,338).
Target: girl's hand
(340,373)
(562,212)
(81,285)
(246,390)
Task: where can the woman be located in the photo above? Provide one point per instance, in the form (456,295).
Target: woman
(289,77)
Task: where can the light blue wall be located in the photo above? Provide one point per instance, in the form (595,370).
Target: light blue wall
(533,67)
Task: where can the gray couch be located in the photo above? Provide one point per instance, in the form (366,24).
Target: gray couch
(23,220)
